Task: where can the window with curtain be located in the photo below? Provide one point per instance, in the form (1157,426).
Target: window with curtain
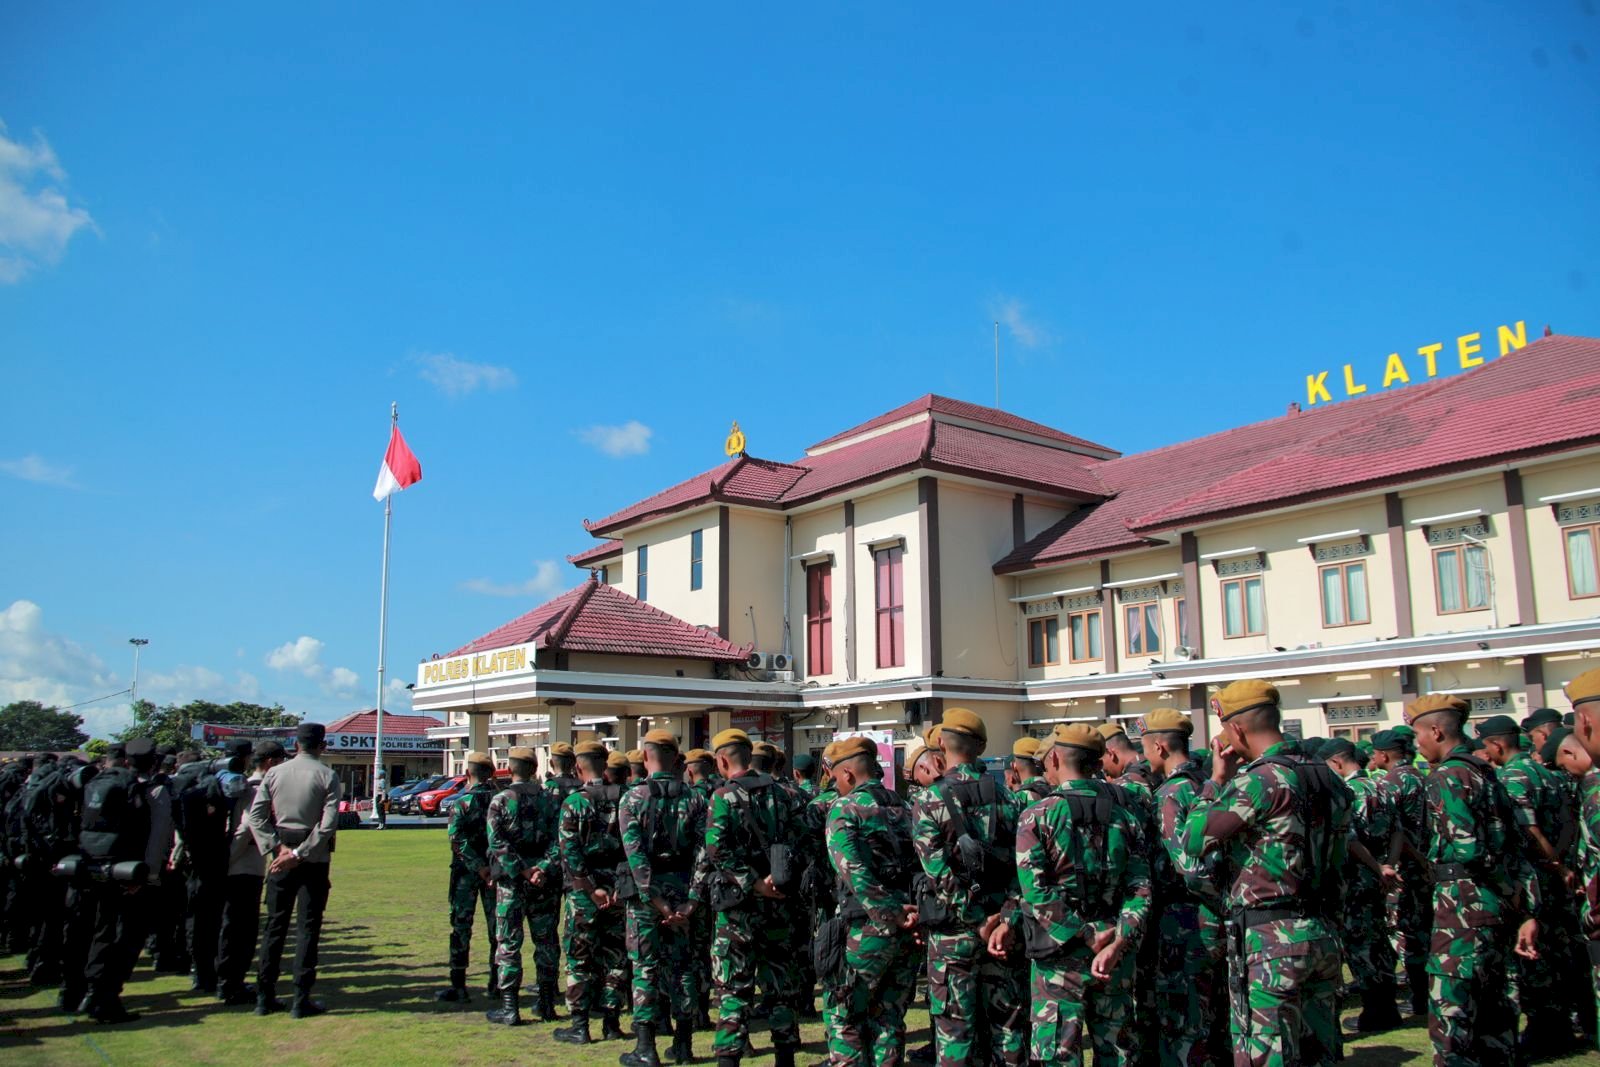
(819,619)
(1141,626)
(1243,608)
(642,572)
(697,559)
(1044,642)
(889,564)
(1583,566)
(1084,636)
(1180,613)
(1344,594)
(1461,578)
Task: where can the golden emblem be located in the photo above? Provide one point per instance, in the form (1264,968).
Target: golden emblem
(735,443)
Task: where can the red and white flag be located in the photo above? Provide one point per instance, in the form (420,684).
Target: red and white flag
(400,467)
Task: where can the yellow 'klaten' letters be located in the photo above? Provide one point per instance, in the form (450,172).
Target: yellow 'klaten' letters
(1395,371)
(1351,386)
(1466,345)
(1317,389)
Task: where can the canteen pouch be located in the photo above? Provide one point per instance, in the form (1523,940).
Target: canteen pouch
(780,862)
(725,895)
(827,951)
(970,855)
(625,889)
(931,910)
(1037,944)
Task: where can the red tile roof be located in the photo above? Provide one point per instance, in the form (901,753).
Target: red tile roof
(931,403)
(366,722)
(1378,439)
(931,443)
(590,556)
(603,619)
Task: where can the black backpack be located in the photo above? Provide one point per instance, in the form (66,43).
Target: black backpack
(988,865)
(116,817)
(34,825)
(200,810)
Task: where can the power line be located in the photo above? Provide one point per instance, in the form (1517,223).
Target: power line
(96,700)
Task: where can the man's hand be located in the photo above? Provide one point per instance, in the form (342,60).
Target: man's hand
(536,877)
(999,939)
(1106,960)
(765,888)
(600,897)
(1224,763)
(687,910)
(1099,939)
(1528,939)
(483,874)
(286,860)
(988,926)
(908,917)
(667,914)
(1390,877)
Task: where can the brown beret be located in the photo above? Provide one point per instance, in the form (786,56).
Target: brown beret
(930,736)
(852,747)
(698,755)
(665,738)
(1026,748)
(635,755)
(962,721)
(481,758)
(1079,735)
(588,748)
(1167,720)
(561,748)
(1584,688)
(523,752)
(1239,697)
(1434,703)
(617,759)
(1108,730)
(730,737)
(915,751)
(764,748)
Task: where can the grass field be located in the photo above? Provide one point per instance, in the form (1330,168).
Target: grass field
(383,956)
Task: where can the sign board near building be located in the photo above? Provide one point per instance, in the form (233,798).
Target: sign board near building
(215,735)
(476,666)
(391,743)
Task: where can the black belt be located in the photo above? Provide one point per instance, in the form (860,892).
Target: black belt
(1452,872)
(1248,917)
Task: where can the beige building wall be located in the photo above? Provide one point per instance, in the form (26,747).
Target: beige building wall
(669,545)
(819,531)
(1487,493)
(1141,566)
(655,666)
(979,622)
(1039,583)
(892,513)
(1547,547)
(1038,515)
(756,570)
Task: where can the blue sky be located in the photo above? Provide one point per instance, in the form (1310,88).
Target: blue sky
(228,239)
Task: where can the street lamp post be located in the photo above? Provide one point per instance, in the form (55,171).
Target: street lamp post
(133,690)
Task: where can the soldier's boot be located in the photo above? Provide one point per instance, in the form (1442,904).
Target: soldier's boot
(304,1007)
(702,1015)
(492,990)
(1378,1011)
(457,993)
(547,1004)
(611,1027)
(1544,1034)
(783,1055)
(644,1048)
(267,1001)
(107,1009)
(682,1050)
(509,1013)
(727,1061)
(665,1029)
(70,999)
(577,1033)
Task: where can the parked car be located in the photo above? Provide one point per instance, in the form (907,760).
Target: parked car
(432,801)
(406,790)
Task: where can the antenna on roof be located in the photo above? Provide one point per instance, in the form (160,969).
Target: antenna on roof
(997,363)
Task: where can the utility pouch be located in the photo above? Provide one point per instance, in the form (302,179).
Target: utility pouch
(780,863)
(725,895)
(932,913)
(626,889)
(970,854)
(827,951)
(1037,944)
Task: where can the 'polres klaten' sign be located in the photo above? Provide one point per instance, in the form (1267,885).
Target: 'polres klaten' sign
(518,659)
(1427,363)
(391,743)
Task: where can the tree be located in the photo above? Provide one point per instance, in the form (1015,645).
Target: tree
(27,725)
(97,748)
(171,724)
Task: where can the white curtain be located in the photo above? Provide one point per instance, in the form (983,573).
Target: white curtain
(1255,610)
(1581,563)
(1448,579)
(1333,598)
(1356,592)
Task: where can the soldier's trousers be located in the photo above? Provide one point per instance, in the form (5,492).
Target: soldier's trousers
(1471,1019)
(970,991)
(662,968)
(241,926)
(751,947)
(42,899)
(1411,925)
(1367,949)
(1067,1001)
(1536,983)
(1191,988)
(202,919)
(469,893)
(520,909)
(596,945)
(1288,1013)
(866,1002)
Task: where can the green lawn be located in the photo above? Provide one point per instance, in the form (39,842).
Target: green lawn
(382,958)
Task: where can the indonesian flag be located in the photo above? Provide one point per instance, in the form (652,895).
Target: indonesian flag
(400,467)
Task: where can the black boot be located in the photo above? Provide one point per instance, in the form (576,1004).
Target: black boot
(305,1008)
(1417,983)
(108,1010)
(492,990)
(644,1048)
(783,1056)
(577,1033)
(682,1050)
(457,993)
(611,1027)
(727,1061)
(665,1030)
(267,1001)
(1378,1012)
(510,1011)
(547,1004)
(702,1015)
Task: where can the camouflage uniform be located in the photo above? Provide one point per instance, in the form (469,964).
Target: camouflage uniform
(562,786)
(704,924)
(1285,844)
(819,892)
(1367,949)
(1081,873)
(971,995)
(471,887)
(869,848)
(1410,907)
(590,841)
(1536,801)
(1139,783)
(1589,887)
(1191,959)
(522,836)
(753,943)
(1481,882)
(663,833)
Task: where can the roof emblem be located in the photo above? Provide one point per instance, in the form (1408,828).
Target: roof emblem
(734,446)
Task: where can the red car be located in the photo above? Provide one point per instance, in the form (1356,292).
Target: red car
(428,802)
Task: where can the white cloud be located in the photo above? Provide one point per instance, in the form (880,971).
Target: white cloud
(632,438)
(302,655)
(36,221)
(343,679)
(1013,315)
(547,580)
(396,697)
(36,664)
(458,377)
(35,468)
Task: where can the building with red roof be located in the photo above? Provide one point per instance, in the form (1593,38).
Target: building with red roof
(1440,536)
(408,752)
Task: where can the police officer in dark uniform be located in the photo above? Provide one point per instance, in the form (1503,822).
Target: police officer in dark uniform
(113,877)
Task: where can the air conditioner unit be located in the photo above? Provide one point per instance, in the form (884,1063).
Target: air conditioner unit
(769,661)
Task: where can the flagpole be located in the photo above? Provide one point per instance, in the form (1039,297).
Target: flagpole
(383,635)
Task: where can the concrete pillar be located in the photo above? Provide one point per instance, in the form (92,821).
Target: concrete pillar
(627,733)
(478,730)
(560,723)
(718,720)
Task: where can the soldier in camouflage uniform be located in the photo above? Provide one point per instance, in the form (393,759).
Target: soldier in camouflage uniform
(471,877)
(700,772)
(1539,724)
(1409,905)
(590,841)
(805,775)
(1124,765)
(1191,959)
(1084,904)
(1281,821)
(964,830)
(1537,801)
(751,817)
(869,849)
(1482,885)
(564,780)
(1368,876)
(522,838)
(663,824)
(1025,775)
(769,759)
(1584,692)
